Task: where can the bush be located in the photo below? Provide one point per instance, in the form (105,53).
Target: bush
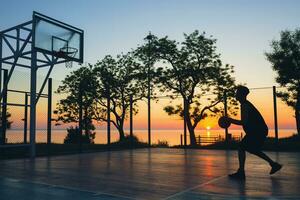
(129,142)
(73,136)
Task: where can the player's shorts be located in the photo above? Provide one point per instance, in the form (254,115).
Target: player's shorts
(252,144)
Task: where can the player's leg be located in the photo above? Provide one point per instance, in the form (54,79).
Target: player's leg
(263,156)
(240,174)
(275,166)
(256,149)
(242,159)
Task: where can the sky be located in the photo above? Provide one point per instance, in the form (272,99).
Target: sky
(243,29)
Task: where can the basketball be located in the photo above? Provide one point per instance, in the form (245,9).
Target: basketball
(224,122)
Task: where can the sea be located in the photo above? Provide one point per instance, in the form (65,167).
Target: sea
(172,137)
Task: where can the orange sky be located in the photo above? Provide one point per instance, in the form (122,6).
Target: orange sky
(243,31)
(262,99)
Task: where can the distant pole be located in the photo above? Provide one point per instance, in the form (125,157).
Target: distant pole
(226,114)
(1,105)
(131,119)
(33,77)
(25,118)
(108,116)
(80,117)
(4,106)
(49,111)
(149,38)
(275,114)
(0,65)
(184,122)
(181,143)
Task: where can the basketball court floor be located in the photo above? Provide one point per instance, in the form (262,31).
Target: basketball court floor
(148,174)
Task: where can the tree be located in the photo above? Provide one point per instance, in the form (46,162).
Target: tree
(8,125)
(8,122)
(79,88)
(192,69)
(119,78)
(285,59)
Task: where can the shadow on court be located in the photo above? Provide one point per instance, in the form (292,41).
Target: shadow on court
(149,174)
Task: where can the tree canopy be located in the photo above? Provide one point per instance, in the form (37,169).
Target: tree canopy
(191,69)
(119,79)
(79,88)
(285,59)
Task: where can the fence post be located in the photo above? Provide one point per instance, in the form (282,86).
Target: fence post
(25,118)
(1,105)
(49,111)
(181,140)
(0,63)
(275,115)
(131,120)
(184,122)
(4,107)
(226,114)
(149,38)
(80,117)
(108,116)
(32,113)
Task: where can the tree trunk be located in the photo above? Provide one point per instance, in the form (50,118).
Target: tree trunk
(192,133)
(121,130)
(190,126)
(122,134)
(297,114)
(85,120)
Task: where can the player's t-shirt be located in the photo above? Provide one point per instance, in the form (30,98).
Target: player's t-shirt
(253,122)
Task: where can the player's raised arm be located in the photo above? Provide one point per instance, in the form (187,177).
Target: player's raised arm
(236,121)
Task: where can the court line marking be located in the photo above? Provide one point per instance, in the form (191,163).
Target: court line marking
(251,197)
(192,188)
(126,197)
(102,177)
(224,195)
(94,193)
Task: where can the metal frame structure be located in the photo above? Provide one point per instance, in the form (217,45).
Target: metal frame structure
(26,94)
(19,42)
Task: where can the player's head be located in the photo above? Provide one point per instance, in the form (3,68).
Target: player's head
(241,93)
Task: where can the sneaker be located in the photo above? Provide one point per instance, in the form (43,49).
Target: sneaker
(275,168)
(238,175)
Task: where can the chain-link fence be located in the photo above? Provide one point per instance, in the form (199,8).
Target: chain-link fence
(170,128)
(15,113)
(18,109)
(166,128)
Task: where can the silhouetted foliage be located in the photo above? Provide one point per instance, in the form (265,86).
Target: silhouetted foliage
(81,82)
(191,69)
(285,60)
(73,136)
(161,144)
(8,122)
(130,142)
(120,78)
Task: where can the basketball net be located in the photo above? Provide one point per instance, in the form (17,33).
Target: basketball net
(67,53)
(69,64)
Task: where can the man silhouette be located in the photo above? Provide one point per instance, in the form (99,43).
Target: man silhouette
(256,133)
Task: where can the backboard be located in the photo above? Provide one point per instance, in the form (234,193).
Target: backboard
(56,38)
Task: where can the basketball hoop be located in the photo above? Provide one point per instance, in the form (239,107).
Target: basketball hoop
(67,53)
